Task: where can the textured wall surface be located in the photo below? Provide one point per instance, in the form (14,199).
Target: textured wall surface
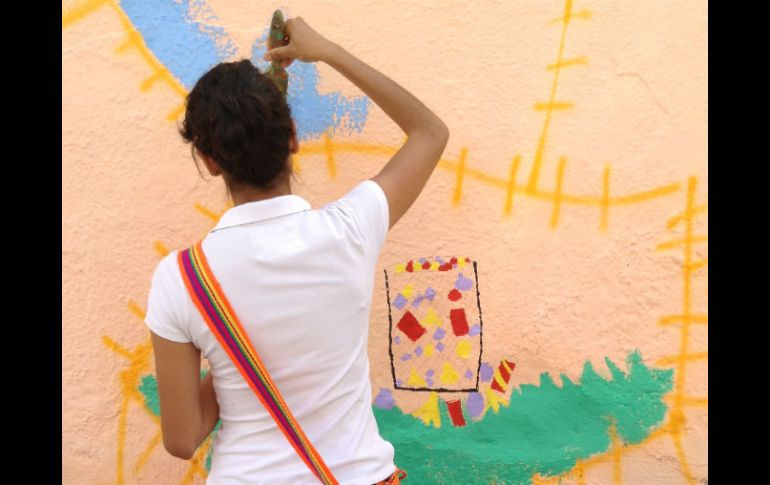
(567,340)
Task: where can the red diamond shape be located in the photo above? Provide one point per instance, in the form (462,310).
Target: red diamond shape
(410,326)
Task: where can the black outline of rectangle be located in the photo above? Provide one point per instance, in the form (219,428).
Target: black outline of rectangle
(390,342)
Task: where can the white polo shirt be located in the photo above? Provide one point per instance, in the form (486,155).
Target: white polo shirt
(300,280)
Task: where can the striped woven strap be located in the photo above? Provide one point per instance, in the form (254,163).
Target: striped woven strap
(221,319)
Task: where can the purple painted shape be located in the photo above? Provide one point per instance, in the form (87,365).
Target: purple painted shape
(422,260)
(418,351)
(475,330)
(468,374)
(486,372)
(397,339)
(400,382)
(400,302)
(429,381)
(440,260)
(406,356)
(417,301)
(440,346)
(430,372)
(475,404)
(430,293)
(439,334)
(384,399)
(462,283)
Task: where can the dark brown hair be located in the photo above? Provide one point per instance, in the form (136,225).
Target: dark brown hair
(237,116)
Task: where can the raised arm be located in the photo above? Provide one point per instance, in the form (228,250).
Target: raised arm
(404,176)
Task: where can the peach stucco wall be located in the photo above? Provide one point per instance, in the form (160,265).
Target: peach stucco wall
(575,177)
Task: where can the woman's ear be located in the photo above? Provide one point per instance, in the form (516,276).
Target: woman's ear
(212,166)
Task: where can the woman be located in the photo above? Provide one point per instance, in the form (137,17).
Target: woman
(300,279)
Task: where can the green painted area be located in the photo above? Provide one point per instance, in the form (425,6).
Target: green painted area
(148,386)
(545,429)
(210,453)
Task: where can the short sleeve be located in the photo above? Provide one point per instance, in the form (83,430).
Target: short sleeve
(369,208)
(165,312)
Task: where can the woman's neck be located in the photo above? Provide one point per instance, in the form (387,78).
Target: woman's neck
(246,194)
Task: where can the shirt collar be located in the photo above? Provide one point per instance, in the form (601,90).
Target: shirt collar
(261,210)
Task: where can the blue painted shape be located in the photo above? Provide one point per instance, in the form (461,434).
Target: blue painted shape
(179,36)
(188,48)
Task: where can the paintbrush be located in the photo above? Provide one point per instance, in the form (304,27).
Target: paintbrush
(278,38)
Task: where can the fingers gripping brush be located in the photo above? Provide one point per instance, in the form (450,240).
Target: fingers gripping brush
(278,38)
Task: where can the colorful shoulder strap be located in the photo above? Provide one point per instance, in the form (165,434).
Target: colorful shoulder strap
(221,319)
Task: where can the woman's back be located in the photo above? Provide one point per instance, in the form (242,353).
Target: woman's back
(301,281)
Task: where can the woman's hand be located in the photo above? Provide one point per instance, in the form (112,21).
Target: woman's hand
(305,44)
